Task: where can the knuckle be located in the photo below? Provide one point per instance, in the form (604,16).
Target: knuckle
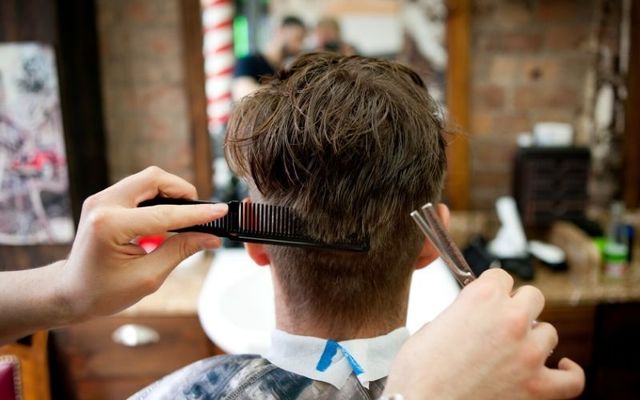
(532,357)
(150,284)
(185,249)
(516,324)
(90,203)
(193,189)
(154,170)
(498,274)
(99,218)
(535,388)
(575,387)
(484,291)
(535,293)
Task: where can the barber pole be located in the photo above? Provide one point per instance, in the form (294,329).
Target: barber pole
(217,21)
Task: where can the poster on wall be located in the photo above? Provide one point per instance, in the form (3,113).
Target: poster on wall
(35,206)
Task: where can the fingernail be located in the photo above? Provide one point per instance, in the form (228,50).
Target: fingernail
(219,208)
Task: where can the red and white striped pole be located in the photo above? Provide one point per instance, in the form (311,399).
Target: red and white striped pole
(217,21)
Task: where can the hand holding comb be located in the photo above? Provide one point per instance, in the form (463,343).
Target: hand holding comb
(259,223)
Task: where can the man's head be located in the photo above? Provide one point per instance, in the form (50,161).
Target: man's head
(290,36)
(327,33)
(353,145)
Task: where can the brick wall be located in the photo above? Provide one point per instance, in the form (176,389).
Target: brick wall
(529,61)
(145,103)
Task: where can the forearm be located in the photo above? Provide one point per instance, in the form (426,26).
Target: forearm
(30,301)
(104,272)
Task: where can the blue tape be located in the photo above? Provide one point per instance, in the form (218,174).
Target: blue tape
(330,350)
(355,367)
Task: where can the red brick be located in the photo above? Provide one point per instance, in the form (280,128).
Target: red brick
(503,15)
(532,96)
(565,10)
(161,99)
(492,179)
(512,42)
(492,154)
(159,70)
(574,68)
(559,114)
(488,97)
(485,198)
(481,123)
(504,69)
(556,9)
(483,11)
(155,42)
(566,37)
(511,124)
(137,11)
(481,67)
(500,126)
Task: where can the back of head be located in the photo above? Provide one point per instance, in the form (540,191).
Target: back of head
(352,144)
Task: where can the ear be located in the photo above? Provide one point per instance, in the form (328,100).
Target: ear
(429,253)
(257,253)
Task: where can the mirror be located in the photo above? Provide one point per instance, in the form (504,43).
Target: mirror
(413,32)
(424,34)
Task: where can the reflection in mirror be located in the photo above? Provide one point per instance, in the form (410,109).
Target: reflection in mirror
(412,32)
(267,35)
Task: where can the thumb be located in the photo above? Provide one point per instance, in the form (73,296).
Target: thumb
(178,247)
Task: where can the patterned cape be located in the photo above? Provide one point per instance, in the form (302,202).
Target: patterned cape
(250,377)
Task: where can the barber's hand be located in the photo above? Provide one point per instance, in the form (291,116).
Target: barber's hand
(484,346)
(105,272)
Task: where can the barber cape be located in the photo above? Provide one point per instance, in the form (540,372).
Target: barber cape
(297,367)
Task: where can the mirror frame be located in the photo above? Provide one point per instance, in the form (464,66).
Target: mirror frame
(458,160)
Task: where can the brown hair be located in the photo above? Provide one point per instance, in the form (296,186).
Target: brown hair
(352,144)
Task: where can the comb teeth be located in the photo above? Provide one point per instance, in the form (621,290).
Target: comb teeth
(259,219)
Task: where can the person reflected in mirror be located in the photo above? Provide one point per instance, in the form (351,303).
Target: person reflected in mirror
(287,43)
(328,37)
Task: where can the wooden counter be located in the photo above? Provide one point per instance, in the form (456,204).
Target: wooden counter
(564,288)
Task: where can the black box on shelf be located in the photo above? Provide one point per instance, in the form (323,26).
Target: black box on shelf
(550,183)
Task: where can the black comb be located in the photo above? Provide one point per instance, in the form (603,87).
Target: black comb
(259,223)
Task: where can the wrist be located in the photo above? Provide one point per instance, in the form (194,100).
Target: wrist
(62,303)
